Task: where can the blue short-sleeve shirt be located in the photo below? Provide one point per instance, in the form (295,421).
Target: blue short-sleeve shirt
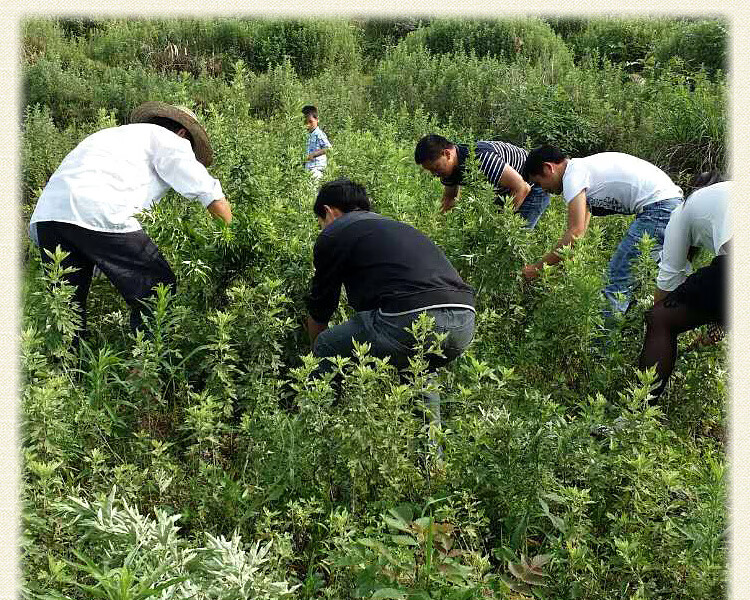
(317,140)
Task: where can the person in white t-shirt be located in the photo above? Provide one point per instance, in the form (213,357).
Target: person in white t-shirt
(604,184)
(682,301)
(88,205)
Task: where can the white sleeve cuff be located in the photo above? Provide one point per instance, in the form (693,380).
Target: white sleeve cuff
(216,193)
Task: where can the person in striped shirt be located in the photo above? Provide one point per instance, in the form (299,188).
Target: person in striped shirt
(500,162)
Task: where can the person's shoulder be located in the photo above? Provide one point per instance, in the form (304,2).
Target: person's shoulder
(711,193)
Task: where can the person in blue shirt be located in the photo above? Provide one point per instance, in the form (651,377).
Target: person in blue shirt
(317,144)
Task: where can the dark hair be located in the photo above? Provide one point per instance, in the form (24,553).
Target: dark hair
(310,111)
(538,156)
(173,126)
(430,147)
(707,178)
(343,194)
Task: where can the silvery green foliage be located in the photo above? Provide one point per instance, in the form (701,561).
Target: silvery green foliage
(126,542)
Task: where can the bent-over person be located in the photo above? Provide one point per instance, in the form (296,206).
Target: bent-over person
(89,204)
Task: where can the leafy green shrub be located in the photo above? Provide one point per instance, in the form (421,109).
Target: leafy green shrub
(310,46)
(528,39)
(624,41)
(43,37)
(379,35)
(690,126)
(138,557)
(698,44)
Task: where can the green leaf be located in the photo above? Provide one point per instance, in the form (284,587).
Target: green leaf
(397,524)
(392,593)
(404,540)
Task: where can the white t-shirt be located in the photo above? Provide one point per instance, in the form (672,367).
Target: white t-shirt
(702,221)
(617,183)
(117,172)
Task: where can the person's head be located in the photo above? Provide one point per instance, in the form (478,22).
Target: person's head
(310,116)
(545,166)
(707,178)
(337,198)
(436,154)
(180,120)
(173,126)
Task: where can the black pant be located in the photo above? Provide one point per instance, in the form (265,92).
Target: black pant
(131,261)
(699,300)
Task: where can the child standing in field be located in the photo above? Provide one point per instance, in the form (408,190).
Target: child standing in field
(317,144)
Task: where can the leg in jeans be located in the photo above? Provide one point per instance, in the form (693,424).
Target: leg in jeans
(652,220)
(388,336)
(339,339)
(534,205)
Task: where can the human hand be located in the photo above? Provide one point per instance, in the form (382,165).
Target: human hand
(447,205)
(530,272)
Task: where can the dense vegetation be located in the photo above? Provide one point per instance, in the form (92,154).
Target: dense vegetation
(200,461)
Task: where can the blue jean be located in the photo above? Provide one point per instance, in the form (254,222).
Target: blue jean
(534,205)
(653,220)
(388,336)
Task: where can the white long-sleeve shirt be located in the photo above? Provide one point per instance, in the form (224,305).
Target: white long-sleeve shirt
(703,221)
(117,172)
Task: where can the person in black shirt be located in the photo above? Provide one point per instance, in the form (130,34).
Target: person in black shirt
(391,272)
(500,162)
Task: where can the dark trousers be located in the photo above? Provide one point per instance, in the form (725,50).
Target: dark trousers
(131,261)
(699,300)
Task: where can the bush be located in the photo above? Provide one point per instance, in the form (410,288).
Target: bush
(310,46)
(507,40)
(698,44)
(553,466)
(621,41)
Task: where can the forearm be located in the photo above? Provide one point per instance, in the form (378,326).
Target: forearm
(316,153)
(519,195)
(314,329)
(450,195)
(659,295)
(221,209)
(552,257)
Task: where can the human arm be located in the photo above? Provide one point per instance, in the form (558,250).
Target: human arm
(450,195)
(175,163)
(314,329)
(519,188)
(319,144)
(316,153)
(325,288)
(221,209)
(675,255)
(578,222)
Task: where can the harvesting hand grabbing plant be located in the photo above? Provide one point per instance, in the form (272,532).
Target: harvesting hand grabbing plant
(89,204)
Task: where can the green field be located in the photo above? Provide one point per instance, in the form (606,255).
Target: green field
(201,462)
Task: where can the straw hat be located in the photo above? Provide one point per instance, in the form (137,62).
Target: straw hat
(185,117)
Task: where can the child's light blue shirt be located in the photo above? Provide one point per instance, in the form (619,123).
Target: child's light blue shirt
(317,140)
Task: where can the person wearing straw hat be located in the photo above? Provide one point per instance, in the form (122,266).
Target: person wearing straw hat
(89,204)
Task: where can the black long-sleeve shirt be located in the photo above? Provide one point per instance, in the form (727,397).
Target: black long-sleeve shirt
(383,264)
